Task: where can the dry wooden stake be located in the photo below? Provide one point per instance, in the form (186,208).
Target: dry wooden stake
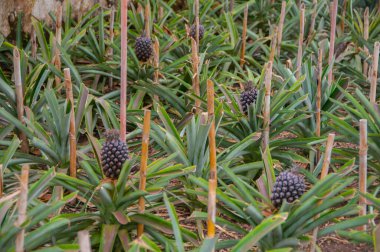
(319,98)
(273,44)
(325,171)
(143,166)
(375,64)
(112,23)
(22,206)
(72,133)
(84,241)
(19,98)
(281,27)
(244,36)
(365,36)
(363,149)
(147,19)
(268,80)
(123,70)
(300,40)
(312,22)
(333,14)
(211,211)
(195,78)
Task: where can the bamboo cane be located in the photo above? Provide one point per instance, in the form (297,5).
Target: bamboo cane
(363,149)
(112,34)
(211,216)
(375,64)
(281,27)
(22,206)
(195,78)
(84,241)
(244,36)
(300,40)
(343,16)
(268,80)
(147,19)
(319,98)
(365,36)
(123,70)
(58,37)
(333,14)
(143,167)
(72,133)
(1,180)
(19,98)
(325,170)
(273,44)
(312,22)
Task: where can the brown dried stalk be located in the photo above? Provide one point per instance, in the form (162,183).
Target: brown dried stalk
(268,80)
(19,98)
(197,22)
(143,166)
(84,241)
(375,64)
(112,34)
(300,40)
(244,36)
(232,4)
(147,19)
(363,149)
(58,37)
(22,206)
(343,16)
(273,44)
(365,36)
(325,170)
(281,27)
(1,180)
(156,63)
(333,14)
(211,216)
(312,22)
(72,133)
(319,97)
(33,42)
(195,79)
(123,70)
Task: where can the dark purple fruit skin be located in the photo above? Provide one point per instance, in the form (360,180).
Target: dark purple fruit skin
(247,98)
(143,48)
(288,186)
(193,31)
(114,153)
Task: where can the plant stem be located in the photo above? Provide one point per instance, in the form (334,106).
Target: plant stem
(300,40)
(273,44)
(375,64)
(268,80)
(84,241)
(195,79)
(123,70)
(333,14)
(244,36)
(111,31)
(319,98)
(58,40)
(143,166)
(365,36)
(281,27)
(147,19)
(22,207)
(363,149)
(312,22)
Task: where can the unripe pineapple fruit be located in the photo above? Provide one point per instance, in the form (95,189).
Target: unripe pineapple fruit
(248,97)
(193,31)
(114,154)
(143,48)
(289,186)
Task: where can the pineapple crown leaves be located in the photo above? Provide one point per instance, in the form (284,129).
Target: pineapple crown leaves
(248,85)
(112,134)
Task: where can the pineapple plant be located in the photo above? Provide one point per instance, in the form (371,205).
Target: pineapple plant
(143,48)
(193,31)
(248,97)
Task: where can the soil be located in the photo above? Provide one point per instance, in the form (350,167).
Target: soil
(334,243)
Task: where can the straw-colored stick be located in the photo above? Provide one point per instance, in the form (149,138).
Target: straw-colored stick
(281,27)
(156,63)
(363,149)
(325,170)
(147,19)
(343,16)
(112,34)
(143,166)
(58,37)
(123,70)
(333,14)
(244,36)
(365,36)
(375,64)
(211,217)
(195,79)
(273,44)
(1,180)
(84,241)
(22,206)
(19,98)
(312,22)
(34,44)
(300,40)
(268,80)
(72,133)
(319,97)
